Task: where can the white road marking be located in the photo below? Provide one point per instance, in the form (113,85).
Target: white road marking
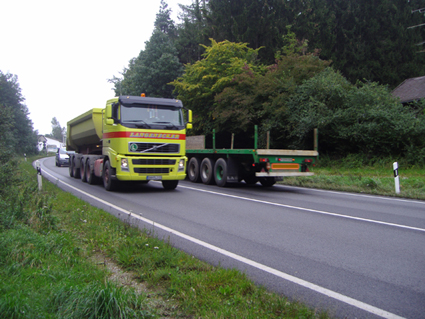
(327,292)
(306,209)
(381,197)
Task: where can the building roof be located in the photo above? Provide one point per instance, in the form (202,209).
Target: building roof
(410,90)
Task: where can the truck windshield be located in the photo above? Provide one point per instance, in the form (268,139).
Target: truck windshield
(152,116)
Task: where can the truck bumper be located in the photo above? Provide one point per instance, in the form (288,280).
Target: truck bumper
(151,168)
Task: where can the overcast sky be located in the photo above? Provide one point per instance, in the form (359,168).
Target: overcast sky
(63,52)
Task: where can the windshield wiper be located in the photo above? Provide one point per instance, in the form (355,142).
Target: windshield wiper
(139,123)
(170,125)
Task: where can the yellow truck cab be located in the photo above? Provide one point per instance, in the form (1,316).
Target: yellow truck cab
(134,138)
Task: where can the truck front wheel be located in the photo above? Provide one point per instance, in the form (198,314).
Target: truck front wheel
(220,172)
(108,183)
(193,170)
(75,170)
(207,171)
(170,184)
(71,167)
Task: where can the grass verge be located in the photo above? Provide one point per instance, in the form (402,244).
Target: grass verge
(368,177)
(54,253)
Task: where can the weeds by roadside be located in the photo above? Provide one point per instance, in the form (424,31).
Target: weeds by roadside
(50,239)
(358,175)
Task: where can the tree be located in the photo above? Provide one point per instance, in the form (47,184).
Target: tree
(58,132)
(365,39)
(363,118)
(261,99)
(204,79)
(155,66)
(17,134)
(192,32)
(260,23)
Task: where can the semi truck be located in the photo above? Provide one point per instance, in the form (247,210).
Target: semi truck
(134,138)
(221,166)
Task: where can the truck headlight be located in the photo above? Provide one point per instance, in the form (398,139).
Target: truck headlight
(181,165)
(124,164)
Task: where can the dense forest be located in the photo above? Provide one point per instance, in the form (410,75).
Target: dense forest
(290,67)
(16,128)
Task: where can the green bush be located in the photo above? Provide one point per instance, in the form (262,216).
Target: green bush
(360,119)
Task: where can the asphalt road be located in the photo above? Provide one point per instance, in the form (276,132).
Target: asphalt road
(354,255)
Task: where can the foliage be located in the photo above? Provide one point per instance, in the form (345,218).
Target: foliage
(365,39)
(155,66)
(258,23)
(204,79)
(192,32)
(260,99)
(58,132)
(363,118)
(17,134)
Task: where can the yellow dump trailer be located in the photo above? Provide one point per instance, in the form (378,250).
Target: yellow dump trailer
(132,139)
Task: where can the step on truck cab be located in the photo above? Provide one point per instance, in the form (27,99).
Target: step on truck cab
(134,138)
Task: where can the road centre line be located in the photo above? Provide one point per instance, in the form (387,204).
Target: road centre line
(324,291)
(307,209)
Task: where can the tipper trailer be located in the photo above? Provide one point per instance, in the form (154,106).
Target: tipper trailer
(267,166)
(134,138)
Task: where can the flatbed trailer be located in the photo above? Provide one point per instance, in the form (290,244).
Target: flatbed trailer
(267,166)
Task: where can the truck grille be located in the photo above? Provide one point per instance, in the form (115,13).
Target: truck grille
(153,148)
(154,170)
(154,162)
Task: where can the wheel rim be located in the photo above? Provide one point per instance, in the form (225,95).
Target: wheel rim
(87,171)
(219,173)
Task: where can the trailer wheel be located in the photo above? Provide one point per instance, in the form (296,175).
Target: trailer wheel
(108,183)
(170,184)
(207,171)
(83,171)
(267,181)
(71,167)
(89,174)
(220,172)
(193,170)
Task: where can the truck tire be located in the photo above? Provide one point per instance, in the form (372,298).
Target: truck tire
(108,182)
(170,184)
(193,170)
(71,167)
(76,171)
(83,171)
(267,181)
(220,172)
(90,177)
(207,171)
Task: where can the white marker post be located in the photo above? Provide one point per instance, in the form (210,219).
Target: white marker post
(38,167)
(396,178)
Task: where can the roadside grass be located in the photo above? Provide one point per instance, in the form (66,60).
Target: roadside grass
(360,176)
(55,252)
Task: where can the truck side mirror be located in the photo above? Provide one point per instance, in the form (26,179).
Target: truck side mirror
(108,112)
(189,119)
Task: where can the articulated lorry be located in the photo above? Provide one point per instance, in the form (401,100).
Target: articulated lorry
(134,138)
(267,166)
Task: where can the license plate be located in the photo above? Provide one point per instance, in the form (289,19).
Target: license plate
(154,178)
